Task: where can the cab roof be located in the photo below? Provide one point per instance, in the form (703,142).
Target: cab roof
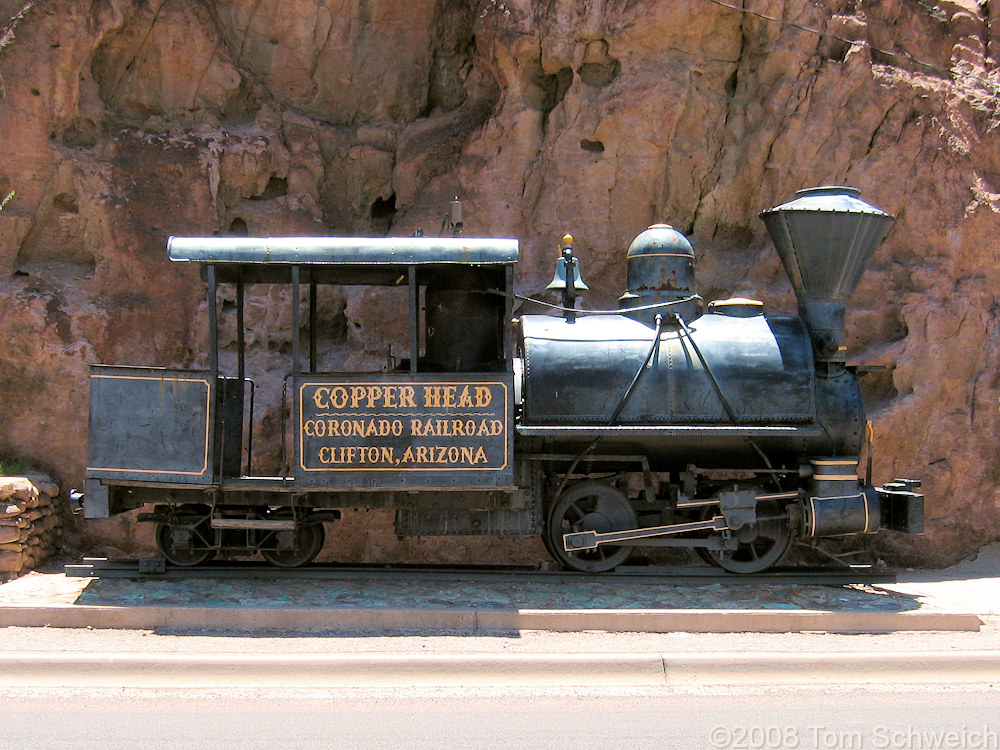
(393,251)
(351,260)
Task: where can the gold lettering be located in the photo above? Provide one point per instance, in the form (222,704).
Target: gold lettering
(415,456)
(406,394)
(356,427)
(375,454)
(445,420)
(400,396)
(318,397)
(357,395)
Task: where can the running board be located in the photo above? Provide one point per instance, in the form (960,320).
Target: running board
(253,523)
(583,540)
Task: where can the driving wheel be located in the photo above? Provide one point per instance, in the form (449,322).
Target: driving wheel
(761,544)
(590,506)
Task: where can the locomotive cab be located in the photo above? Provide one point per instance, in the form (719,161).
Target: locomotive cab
(438,423)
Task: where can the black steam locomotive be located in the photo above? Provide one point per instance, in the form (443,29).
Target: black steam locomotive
(662,423)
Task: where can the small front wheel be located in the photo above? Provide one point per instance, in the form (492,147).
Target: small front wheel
(306,543)
(186,541)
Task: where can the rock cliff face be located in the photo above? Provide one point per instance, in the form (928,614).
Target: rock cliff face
(125,121)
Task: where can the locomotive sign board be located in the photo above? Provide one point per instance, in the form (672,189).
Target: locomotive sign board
(393,430)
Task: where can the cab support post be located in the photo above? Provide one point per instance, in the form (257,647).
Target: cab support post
(213,321)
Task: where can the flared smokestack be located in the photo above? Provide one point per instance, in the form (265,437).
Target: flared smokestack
(825,238)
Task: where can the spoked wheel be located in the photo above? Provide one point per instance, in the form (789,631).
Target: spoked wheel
(761,544)
(306,544)
(590,506)
(188,549)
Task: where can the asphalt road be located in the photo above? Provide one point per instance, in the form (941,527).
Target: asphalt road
(174,690)
(78,640)
(792,718)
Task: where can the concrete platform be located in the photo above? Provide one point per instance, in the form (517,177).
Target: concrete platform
(954,600)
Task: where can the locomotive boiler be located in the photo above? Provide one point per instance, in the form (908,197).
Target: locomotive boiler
(664,422)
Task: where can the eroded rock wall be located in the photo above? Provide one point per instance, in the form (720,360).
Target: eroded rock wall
(126,121)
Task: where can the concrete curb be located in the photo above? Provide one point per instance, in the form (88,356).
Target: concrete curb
(825,669)
(595,670)
(484,620)
(740,621)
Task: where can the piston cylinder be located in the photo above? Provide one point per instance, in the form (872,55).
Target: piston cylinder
(837,503)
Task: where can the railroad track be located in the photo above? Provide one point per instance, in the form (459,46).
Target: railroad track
(157,569)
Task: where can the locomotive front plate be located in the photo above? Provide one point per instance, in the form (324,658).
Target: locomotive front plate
(398,430)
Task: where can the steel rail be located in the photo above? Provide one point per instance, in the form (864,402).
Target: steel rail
(154,569)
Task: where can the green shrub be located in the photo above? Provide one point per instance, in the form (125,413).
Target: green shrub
(12,465)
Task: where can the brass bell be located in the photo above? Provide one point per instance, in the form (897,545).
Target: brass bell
(566,257)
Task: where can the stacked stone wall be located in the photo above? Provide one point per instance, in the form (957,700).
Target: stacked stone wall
(30,522)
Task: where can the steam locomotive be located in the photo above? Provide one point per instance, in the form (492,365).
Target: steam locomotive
(663,423)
